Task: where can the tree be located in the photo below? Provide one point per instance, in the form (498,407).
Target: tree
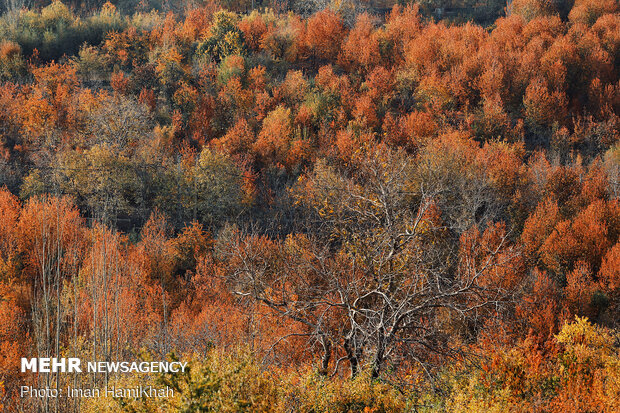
(587,376)
(274,139)
(237,141)
(609,274)
(218,188)
(52,242)
(580,290)
(542,106)
(323,35)
(12,63)
(585,238)
(588,11)
(531,9)
(256,27)
(448,167)
(374,291)
(10,209)
(360,51)
(225,37)
(108,175)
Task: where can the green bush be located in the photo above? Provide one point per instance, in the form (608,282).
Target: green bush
(55,31)
(225,38)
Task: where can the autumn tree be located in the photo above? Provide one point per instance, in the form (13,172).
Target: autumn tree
(377,294)
(219,188)
(51,238)
(360,50)
(323,35)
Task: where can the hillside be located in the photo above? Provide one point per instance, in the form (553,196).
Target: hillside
(345,208)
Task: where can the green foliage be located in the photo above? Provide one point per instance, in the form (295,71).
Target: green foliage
(90,63)
(105,179)
(225,38)
(33,185)
(218,383)
(230,67)
(237,382)
(362,394)
(13,66)
(55,31)
(218,187)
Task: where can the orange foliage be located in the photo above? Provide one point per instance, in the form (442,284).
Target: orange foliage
(579,288)
(609,274)
(147,97)
(402,24)
(50,231)
(539,226)
(238,140)
(589,11)
(274,139)
(504,165)
(323,35)
(9,236)
(419,127)
(14,337)
(488,260)
(255,30)
(586,239)
(540,307)
(543,106)
(365,112)
(197,21)
(360,50)
(119,83)
(517,121)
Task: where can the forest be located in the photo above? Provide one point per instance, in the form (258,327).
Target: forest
(321,206)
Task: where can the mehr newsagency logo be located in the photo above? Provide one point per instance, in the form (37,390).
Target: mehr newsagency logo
(75,365)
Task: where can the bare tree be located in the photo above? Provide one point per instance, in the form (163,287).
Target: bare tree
(387,277)
(12,6)
(50,228)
